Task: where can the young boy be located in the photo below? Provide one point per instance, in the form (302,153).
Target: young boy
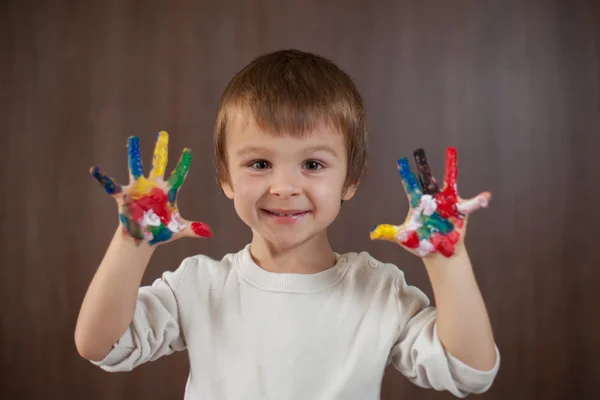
(286,317)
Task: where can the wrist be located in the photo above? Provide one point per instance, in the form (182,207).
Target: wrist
(436,261)
(123,240)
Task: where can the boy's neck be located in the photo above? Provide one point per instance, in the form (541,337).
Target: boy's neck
(310,257)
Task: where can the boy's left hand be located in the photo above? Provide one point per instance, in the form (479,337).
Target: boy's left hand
(437,218)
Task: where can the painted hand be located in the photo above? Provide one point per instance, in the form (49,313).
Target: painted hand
(437,218)
(148,206)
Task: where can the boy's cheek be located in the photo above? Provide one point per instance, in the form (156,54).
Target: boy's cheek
(327,192)
(247,190)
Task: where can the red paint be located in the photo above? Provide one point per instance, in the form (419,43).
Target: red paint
(453,236)
(448,197)
(156,201)
(458,222)
(201,229)
(442,244)
(451,172)
(446,206)
(412,241)
(136,212)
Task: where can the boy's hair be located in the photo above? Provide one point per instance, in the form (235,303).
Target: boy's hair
(291,91)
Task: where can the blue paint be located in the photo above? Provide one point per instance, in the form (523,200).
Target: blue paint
(172,195)
(106,182)
(411,184)
(135,160)
(124,220)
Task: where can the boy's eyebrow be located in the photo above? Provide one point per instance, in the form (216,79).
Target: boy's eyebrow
(251,149)
(312,149)
(322,147)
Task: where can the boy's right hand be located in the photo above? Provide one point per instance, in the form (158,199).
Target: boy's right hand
(148,206)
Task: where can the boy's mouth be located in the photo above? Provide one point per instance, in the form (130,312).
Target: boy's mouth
(286,213)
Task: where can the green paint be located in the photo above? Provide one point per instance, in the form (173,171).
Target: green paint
(160,234)
(131,227)
(437,223)
(183,166)
(424,232)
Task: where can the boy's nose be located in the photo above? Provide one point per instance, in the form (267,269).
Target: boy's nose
(285,185)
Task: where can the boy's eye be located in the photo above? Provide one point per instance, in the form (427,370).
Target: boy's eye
(259,164)
(313,165)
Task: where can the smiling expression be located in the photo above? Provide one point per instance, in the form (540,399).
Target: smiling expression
(287,189)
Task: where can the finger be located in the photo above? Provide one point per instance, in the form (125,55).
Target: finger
(427,180)
(482,200)
(400,234)
(384,232)
(201,230)
(411,185)
(105,181)
(161,156)
(197,230)
(179,174)
(135,160)
(451,172)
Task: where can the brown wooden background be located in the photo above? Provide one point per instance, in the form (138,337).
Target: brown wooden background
(515,85)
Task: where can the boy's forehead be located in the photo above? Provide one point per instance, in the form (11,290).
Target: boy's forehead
(245,130)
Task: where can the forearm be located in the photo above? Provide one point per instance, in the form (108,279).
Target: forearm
(109,304)
(462,319)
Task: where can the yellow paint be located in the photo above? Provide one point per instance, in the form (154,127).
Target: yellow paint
(140,187)
(384,232)
(161,156)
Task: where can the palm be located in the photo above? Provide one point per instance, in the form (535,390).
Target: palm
(148,206)
(436,220)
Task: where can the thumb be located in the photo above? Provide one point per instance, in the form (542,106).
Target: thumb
(385,232)
(197,230)
(473,204)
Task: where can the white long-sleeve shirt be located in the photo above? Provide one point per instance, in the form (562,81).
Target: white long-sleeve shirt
(254,334)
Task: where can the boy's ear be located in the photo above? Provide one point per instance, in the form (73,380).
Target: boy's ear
(350,191)
(226,187)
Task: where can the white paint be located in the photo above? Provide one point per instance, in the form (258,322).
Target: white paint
(467,207)
(410,226)
(150,219)
(428,204)
(176,224)
(414,222)
(425,247)
(402,235)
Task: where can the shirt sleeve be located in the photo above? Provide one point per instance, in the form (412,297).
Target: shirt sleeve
(155,329)
(420,356)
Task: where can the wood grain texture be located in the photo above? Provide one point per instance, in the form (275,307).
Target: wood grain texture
(514,85)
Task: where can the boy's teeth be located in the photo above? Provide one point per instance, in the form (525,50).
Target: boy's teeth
(283,215)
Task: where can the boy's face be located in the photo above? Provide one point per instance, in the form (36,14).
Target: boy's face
(288,190)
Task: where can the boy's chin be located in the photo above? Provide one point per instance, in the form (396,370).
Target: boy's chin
(283,241)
